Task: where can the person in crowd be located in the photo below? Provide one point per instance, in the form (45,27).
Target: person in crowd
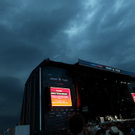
(99,130)
(96,130)
(104,128)
(97,120)
(91,130)
(76,124)
(114,131)
(108,127)
(132,129)
(128,130)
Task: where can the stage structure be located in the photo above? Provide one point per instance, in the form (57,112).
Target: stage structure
(55,90)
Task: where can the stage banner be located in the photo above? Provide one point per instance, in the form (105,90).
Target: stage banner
(103,67)
(133,96)
(128,73)
(90,64)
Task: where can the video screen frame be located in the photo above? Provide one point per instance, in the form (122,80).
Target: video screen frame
(133,96)
(60,96)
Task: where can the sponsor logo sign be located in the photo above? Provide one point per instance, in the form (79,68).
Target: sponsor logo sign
(90,64)
(112,69)
(58,79)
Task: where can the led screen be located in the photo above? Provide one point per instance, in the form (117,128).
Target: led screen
(133,96)
(60,96)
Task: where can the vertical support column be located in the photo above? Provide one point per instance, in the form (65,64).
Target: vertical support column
(77,93)
(40,120)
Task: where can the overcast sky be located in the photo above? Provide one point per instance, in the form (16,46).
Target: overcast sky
(99,31)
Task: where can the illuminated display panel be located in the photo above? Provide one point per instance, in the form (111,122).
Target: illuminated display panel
(133,96)
(60,96)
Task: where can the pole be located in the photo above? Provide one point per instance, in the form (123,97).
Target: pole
(40,120)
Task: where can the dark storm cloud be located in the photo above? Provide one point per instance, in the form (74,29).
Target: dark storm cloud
(17,56)
(63,30)
(107,34)
(10,95)
(40,21)
(35,24)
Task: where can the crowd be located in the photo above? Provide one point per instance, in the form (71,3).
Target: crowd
(77,126)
